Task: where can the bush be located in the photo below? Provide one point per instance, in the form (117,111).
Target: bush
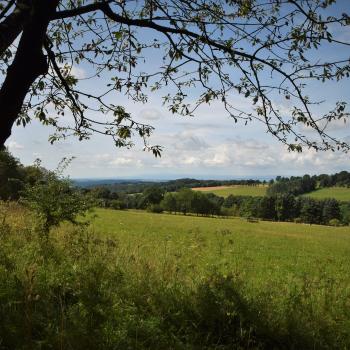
(54,199)
(334,222)
(117,204)
(155,208)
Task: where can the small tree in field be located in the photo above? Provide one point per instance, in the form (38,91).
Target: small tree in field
(55,200)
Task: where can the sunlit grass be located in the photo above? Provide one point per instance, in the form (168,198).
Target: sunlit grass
(339,193)
(237,190)
(158,281)
(278,250)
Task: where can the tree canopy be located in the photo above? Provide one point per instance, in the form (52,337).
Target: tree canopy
(192,52)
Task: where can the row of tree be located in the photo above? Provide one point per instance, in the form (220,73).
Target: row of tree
(290,208)
(285,207)
(155,199)
(298,185)
(339,179)
(292,185)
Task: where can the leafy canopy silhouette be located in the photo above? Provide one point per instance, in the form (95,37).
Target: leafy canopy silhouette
(192,52)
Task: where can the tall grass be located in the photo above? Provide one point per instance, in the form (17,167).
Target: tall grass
(83,289)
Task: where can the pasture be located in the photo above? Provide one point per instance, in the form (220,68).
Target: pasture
(236,190)
(257,250)
(137,280)
(338,193)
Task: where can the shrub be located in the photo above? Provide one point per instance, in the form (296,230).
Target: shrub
(155,208)
(334,222)
(117,204)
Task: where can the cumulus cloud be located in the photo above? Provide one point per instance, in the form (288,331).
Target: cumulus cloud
(188,140)
(111,161)
(150,114)
(253,157)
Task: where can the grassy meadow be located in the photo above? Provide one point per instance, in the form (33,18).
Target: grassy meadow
(338,193)
(136,280)
(257,250)
(236,190)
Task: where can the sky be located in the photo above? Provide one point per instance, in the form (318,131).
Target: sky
(209,145)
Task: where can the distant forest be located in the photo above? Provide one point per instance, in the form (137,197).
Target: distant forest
(137,186)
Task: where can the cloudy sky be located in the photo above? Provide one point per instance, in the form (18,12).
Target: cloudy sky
(209,145)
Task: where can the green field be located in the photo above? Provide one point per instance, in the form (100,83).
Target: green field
(339,193)
(259,250)
(296,272)
(137,280)
(239,190)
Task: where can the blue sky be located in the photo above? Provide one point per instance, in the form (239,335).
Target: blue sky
(209,145)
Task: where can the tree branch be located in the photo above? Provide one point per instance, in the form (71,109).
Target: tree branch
(13,24)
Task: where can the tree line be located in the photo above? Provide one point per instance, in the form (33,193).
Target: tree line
(137,186)
(156,199)
(281,207)
(287,207)
(293,185)
(297,185)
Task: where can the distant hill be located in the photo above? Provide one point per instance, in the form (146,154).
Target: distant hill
(136,186)
(102,182)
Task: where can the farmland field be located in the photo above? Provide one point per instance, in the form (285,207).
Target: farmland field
(339,193)
(237,190)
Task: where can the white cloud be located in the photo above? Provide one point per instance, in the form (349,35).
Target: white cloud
(150,114)
(14,146)
(78,72)
(191,160)
(334,125)
(188,140)
(243,157)
(110,161)
(125,162)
